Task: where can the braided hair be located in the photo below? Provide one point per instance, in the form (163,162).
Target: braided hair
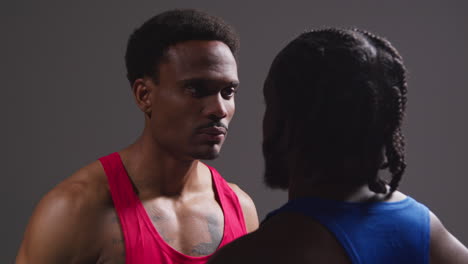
(339,97)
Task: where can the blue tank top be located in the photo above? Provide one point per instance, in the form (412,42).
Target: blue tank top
(373,232)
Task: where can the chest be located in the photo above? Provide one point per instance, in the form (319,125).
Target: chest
(194,227)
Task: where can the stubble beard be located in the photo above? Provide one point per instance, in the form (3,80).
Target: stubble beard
(210,154)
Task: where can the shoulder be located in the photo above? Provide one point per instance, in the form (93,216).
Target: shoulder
(86,189)
(284,238)
(59,219)
(444,247)
(243,197)
(248,207)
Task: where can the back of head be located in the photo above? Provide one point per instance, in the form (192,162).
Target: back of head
(337,99)
(148,44)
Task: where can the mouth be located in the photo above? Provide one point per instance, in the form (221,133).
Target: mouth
(213,131)
(212,134)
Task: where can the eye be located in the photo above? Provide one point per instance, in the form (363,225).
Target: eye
(228,92)
(194,90)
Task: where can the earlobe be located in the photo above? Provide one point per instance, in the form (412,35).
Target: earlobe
(141,93)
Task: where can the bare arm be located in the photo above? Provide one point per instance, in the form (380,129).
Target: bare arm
(248,208)
(59,229)
(444,247)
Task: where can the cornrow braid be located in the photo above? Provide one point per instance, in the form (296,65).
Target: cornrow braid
(342,93)
(394,142)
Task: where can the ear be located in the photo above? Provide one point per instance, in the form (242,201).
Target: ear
(142,93)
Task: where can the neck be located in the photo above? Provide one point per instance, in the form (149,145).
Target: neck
(301,186)
(155,172)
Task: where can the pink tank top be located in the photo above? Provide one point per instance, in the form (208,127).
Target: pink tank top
(143,244)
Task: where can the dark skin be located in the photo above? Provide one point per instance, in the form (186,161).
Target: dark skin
(295,238)
(76,221)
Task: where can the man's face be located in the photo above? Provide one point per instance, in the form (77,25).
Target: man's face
(193,100)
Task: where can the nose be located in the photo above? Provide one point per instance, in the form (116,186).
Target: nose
(216,107)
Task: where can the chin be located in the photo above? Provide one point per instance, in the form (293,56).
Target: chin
(206,155)
(210,156)
(209,153)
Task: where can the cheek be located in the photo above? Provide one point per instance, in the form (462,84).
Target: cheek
(231,109)
(169,107)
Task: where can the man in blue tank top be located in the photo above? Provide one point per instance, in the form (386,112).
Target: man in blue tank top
(335,102)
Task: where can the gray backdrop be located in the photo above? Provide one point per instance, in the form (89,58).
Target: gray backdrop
(65,100)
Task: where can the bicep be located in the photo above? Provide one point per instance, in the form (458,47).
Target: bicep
(53,233)
(44,241)
(444,247)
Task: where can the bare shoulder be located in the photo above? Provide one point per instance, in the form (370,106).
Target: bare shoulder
(55,229)
(444,247)
(285,238)
(85,190)
(244,198)
(248,207)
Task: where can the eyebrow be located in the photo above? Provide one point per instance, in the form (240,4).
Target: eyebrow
(205,81)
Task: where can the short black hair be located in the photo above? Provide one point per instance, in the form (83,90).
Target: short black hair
(148,44)
(342,98)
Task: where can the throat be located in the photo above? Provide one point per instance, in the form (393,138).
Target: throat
(152,177)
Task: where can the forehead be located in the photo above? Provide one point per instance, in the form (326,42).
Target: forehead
(199,58)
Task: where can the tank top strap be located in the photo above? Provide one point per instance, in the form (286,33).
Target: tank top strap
(120,186)
(233,216)
(126,202)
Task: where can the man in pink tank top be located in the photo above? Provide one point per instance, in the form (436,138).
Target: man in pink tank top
(154,201)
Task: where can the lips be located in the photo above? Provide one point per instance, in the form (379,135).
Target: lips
(213,131)
(212,134)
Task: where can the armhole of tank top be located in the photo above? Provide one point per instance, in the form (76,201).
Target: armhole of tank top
(221,187)
(334,229)
(341,237)
(113,167)
(108,164)
(427,233)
